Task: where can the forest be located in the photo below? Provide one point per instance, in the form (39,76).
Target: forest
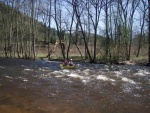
(88,30)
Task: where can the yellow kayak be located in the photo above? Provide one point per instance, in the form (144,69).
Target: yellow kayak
(67,67)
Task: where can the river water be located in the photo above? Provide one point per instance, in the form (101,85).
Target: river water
(28,86)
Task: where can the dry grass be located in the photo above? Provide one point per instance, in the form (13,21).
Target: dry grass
(42,52)
(75,54)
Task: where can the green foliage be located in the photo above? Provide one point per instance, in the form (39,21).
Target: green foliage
(125,32)
(53,39)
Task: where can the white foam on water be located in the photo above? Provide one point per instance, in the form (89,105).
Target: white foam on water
(2,67)
(137,95)
(75,75)
(142,72)
(104,78)
(106,69)
(66,71)
(128,80)
(86,80)
(138,87)
(8,76)
(52,74)
(127,90)
(25,80)
(57,72)
(41,69)
(118,72)
(59,76)
(28,69)
(88,72)
(78,65)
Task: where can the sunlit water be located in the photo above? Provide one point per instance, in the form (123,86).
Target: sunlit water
(28,86)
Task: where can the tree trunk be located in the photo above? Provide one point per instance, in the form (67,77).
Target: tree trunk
(59,28)
(33,30)
(49,31)
(149,33)
(83,33)
(107,35)
(70,33)
(141,35)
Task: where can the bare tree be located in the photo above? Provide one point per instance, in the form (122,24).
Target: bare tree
(142,20)
(97,5)
(78,11)
(107,27)
(134,5)
(58,22)
(149,32)
(69,26)
(32,27)
(49,26)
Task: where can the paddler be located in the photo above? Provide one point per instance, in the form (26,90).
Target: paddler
(65,62)
(71,62)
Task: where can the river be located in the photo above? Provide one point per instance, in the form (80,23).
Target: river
(28,86)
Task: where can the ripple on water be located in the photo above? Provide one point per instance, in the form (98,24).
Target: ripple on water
(104,78)
(88,72)
(28,70)
(142,72)
(2,67)
(6,76)
(55,73)
(86,80)
(23,79)
(66,71)
(128,80)
(127,89)
(75,75)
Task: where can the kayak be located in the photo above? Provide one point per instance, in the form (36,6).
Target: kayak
(67,67)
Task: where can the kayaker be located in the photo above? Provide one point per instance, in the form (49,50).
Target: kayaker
(65,62)
(71,62)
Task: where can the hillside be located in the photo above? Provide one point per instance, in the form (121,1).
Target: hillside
(20,34)
(11,18)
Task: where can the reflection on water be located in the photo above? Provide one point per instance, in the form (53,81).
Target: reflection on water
(28,86)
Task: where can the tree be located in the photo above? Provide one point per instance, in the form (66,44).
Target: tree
(58,22)
(78,11)
(142,20)
(69,26)
(107,27)
(97,5)
(149,32)
(49,26)
(32,27)
(134,5)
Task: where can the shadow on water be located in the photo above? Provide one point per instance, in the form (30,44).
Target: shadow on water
(28,86)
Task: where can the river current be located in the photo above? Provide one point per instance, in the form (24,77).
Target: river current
(28,86)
